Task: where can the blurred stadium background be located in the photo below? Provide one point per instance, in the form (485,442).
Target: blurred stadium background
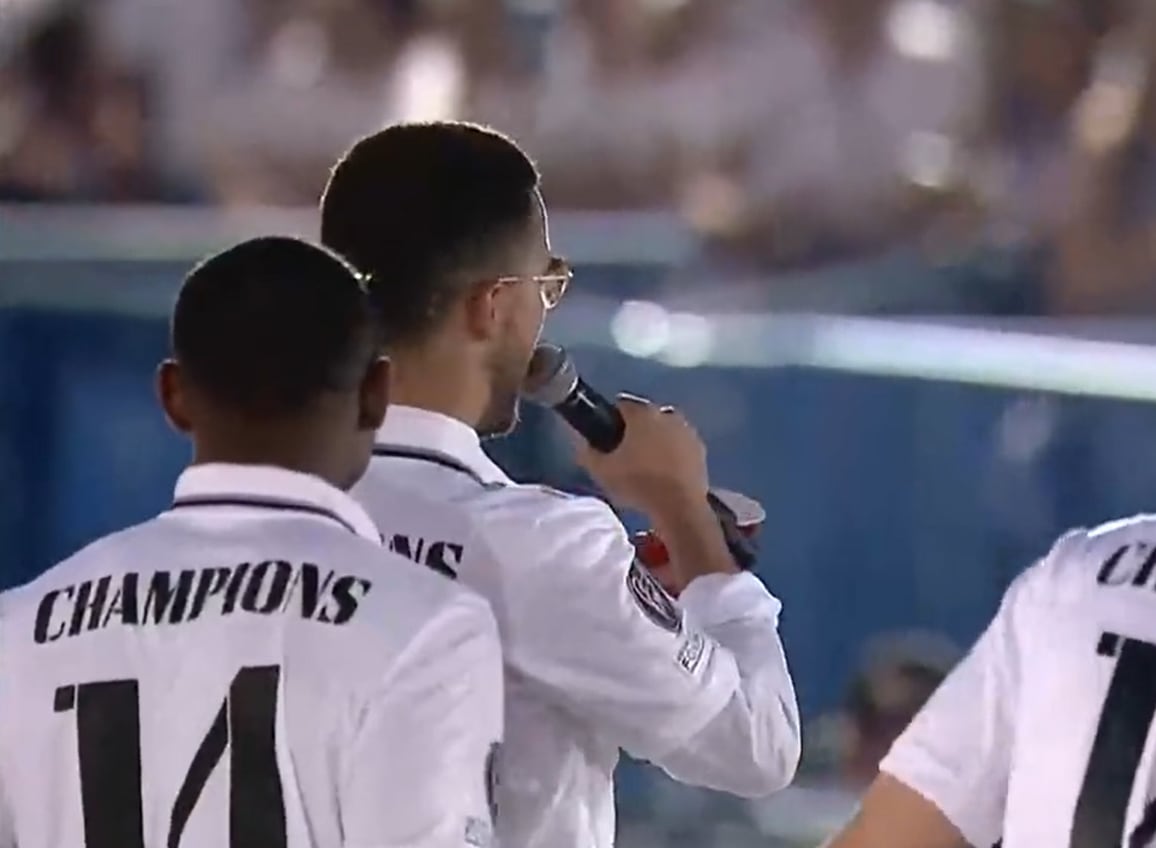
(895,258)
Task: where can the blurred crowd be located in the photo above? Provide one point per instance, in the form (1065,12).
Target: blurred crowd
(787,133)
(898,673)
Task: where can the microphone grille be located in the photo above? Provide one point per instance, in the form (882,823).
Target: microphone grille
(551,376)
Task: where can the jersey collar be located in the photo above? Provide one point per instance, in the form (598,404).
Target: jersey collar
(425,430)
(267,487)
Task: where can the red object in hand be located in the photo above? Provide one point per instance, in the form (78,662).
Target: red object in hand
(652,553)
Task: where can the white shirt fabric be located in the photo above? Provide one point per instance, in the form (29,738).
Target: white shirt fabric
(248,668)
(1041,736)
(597,656)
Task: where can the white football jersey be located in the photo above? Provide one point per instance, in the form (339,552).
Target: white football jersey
(1042,736)
(250,668)
(598,657)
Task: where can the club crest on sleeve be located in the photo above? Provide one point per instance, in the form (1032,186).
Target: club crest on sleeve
(654,601)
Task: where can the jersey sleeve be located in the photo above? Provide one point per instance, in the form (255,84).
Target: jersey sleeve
(956,753)
(423,757)
(700,688)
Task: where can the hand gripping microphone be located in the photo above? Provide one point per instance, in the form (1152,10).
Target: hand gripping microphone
(552,380)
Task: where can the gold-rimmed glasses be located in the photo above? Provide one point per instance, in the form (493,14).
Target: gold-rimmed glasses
(552,283)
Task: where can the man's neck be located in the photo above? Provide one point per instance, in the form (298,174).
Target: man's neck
(447,393)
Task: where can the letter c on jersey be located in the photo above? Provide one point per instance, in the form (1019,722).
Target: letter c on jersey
(44,617)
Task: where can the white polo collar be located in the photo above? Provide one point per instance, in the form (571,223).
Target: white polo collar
(412,432)
(271,488)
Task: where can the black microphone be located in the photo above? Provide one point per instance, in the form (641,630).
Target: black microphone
(552,380)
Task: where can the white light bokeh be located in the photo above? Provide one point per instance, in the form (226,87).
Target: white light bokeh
(641,328)
(691,341)
(924,29)
(929,159)
(429,84)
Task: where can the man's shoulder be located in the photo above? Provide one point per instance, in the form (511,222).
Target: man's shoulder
(1110,555)
(499,499)
(1083,560)
(541,537)
(515,527)
(383,490)
(391,500)
(543,516)
(1139,528)
(110,552)
(492,509)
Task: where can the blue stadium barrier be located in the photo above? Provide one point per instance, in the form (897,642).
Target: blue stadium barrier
(892,502)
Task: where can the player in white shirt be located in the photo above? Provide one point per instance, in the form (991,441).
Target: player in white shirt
(448,221)
(251,669)
(1042,736)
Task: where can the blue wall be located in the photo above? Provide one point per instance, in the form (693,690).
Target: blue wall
(892,503)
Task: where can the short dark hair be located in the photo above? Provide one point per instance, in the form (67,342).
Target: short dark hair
(269,326)
(416,205)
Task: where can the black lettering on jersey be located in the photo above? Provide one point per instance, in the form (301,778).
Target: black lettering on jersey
(165,600)
(443,557)
(402,544)
(267,588)
(43,630)
(124,602)
(1145,831)
(275,587)
(1144,573)
(446,558)
(654,601)
(1111,572)
(1118,745)
(307,580)
(1129,565)
(79,607)
(89,604)
(210,582)
(233,591)
(348,592)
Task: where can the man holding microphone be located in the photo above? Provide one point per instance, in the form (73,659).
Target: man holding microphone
(448,222)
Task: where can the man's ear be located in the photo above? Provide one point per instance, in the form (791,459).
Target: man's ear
(171,394)
(484,304)
(374,395)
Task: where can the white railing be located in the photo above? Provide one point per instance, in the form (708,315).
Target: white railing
(1102,359)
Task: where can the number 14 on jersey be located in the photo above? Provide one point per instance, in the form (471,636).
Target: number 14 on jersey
(109,747)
